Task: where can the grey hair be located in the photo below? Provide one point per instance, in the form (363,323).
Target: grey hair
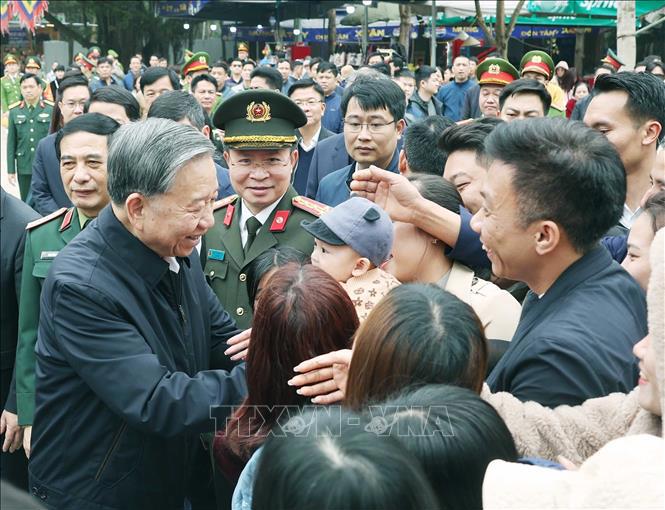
(145,156)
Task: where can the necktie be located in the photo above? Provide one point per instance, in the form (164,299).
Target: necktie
(253,225)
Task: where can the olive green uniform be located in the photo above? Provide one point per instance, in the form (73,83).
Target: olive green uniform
(27,126)
(10,91)
(225,260)
(45,237)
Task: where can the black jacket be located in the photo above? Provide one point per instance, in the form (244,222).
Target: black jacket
(48,192)
(124,379)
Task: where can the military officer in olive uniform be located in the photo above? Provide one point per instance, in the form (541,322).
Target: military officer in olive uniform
(261,151)
(29,122)
(34,66)
(10,86)
(83,146)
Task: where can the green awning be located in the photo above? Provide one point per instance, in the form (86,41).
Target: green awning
(592,8)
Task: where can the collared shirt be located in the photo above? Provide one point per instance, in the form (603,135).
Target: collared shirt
(173,263)
(245,214)
(82,218)
(628,217)
(313,143)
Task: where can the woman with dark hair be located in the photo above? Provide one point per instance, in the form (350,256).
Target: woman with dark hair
(419,257)
(332,461)
(453,433)
(301,312)
(656,67)
(265,265)
(579,91)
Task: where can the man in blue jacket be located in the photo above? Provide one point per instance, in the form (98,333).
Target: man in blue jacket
(373,112)
(131,338)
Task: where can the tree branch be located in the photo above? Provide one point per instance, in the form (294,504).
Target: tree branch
(489,38)
(513,19)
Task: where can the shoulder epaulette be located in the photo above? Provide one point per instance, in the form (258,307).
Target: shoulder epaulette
(224,202)
(310,206)
(14,105)
(46,219)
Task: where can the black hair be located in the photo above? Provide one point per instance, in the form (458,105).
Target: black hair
(327,67)
(605,66)
(654,206)
(473,59)
(202,77)
(375,54)
(420,149)
(94,123)
(119,96)
(646,95)
(454,434)
(374,94)
(578,84)
(271,75)
(59,67)
(104,60)
(382,68)
(177,105)
(236,60)
(71,79)
(330,460)
(307,83)
(526,86)
(282,60)
(565,172)
(222,64)
(28,76)
(405,73)
(423,73)
(272,258)
(152,74)
(440,191)
(652,64)
(468,137)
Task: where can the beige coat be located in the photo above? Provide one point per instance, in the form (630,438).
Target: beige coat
(498,311)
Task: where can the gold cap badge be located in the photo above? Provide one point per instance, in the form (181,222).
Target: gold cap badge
(494,69)
(536,59)
(258,112)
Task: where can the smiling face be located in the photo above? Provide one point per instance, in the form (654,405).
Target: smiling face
(639,243)
(260,177)
(509,246)
(367,147)
(649,391)
(488,100)
(173,222)
(83,171)
(464,172)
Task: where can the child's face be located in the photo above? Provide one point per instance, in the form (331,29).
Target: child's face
(338,261)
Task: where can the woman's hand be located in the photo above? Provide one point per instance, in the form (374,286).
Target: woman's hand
(323,377)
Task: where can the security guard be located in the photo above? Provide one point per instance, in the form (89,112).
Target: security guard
(83,170)
(260,149)
(10,86)
(196,63)
(540,66)
(29,122)
(34,66)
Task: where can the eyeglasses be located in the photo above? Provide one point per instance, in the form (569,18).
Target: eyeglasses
(73,104)
(309,102)
(372,127)
(269,164)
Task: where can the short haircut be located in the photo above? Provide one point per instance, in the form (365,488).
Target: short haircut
(104,60)
(327,67)
(423,73)
(273,258)
(440,191)
(94,123)
(146,156)
(30,76)
(468,137)
(333,459)
(567,160)
(459,434)
(405,73)
(271,75)
(236,60)
(282,60)
(473,59)
(382,68)
(646,95)
(152,74)
(373,94)
(307,83)
(526,86)
(177,105)
(654,207)
(417,334)
(202,77)
(608,67)
(77,80)
(420,145)
(376,54)
(222,64)
(119,96)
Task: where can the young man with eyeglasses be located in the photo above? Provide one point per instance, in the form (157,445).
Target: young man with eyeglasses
(260,148)
(309,96)
(48,192)
(373,112)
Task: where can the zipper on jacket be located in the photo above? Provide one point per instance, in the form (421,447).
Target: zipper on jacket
(109,453)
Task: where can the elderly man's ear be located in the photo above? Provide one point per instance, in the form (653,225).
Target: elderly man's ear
(135,207)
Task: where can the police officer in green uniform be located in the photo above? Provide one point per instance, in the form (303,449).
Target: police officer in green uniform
(261,152)
(29,122)
(10,86)
(539,66)
(83,146)
(195,64)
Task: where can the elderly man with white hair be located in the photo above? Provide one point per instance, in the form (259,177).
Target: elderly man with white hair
(131,338)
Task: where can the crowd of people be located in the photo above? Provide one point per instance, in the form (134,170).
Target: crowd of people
(288,285)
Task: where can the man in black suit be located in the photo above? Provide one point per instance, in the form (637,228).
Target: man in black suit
(14,216)
(328,156)
(309,96)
